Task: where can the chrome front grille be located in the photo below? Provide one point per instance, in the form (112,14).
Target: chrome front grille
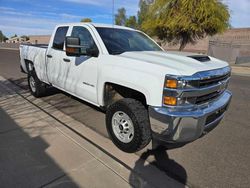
(205,82)
(207,98)
(202,87)
(217,83)
(204,98)
(212,81)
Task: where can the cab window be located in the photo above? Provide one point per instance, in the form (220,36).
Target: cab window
(86,39)
(59,38)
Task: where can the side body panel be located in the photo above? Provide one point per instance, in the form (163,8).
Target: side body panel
(37,56)
(143,77)
(78,75)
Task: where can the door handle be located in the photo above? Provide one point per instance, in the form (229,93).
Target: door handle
(66,60)
(49,56)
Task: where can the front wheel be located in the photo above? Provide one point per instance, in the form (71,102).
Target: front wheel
(128,125)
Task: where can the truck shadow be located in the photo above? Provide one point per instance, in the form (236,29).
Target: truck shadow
(24,157)
(23,84)
(80,110)
(160,159)
(50,92)
(77,109)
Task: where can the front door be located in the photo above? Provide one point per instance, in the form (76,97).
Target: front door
(83,71)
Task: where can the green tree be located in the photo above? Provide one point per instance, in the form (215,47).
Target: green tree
(120,17)
(25,37)
(186,21)
(142,13)
(86,20)
(3,38)
(14,36)
(131,22)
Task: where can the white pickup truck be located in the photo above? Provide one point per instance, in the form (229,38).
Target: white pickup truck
(148,94)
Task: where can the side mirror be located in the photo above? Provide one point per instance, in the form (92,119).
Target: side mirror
(92,52)
(73,47)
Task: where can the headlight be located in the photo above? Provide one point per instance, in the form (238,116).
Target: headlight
(173,83)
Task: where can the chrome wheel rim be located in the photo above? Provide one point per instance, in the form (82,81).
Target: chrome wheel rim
(123,127)
(32,84)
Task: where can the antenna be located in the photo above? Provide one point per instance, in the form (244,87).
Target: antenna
(113,9)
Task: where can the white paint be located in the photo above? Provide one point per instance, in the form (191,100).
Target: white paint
(142,71)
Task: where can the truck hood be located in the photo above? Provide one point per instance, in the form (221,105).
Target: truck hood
(184,63)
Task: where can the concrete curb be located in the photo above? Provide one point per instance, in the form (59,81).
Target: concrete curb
(241,70)
(123,164)
(16,49)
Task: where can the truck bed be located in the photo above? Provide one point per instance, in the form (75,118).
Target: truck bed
(36,45)
(35,53)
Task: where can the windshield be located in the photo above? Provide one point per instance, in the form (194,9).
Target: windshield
(118,41)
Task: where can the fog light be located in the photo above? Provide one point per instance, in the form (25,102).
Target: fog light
(171,84)
(170,101)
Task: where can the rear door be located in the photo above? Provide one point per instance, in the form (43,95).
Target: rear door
(58,64)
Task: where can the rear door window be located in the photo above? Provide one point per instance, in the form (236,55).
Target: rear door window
(59,38)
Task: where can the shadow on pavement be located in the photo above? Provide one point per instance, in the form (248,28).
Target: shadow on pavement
(24,161)
(82,111)
(23,84)
(163,162)
(50,91)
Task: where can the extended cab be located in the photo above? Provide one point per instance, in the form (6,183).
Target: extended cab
(148,93)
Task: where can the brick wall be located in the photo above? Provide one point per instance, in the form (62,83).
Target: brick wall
(39,39)
(200,47)
(240,36)
(232,46)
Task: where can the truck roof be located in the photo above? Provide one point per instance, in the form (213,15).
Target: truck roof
(95,25)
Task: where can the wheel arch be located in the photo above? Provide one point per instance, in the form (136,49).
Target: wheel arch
(29,66)
(113,92)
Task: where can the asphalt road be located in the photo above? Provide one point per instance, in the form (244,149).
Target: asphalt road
(220,159)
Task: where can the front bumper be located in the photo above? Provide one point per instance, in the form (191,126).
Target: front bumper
(183,126)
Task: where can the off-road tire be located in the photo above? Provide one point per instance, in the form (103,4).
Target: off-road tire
(40,87)
(139,116)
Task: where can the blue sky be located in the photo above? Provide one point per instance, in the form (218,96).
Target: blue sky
(39,17)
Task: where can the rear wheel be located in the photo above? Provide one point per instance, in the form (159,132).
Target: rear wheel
(128,125)
(37,88)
